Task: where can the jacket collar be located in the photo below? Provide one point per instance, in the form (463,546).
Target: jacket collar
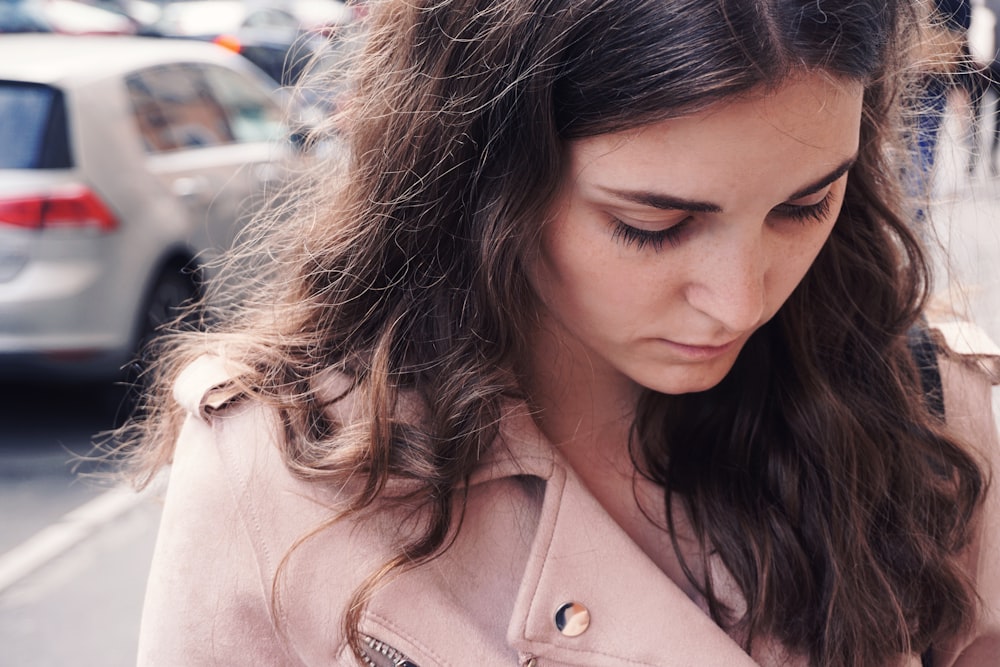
(579,554)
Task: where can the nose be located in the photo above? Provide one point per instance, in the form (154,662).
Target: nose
(729,287)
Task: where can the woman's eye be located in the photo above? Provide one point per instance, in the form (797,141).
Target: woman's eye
(806,212)
(642,238)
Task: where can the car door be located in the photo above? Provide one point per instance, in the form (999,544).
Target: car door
(215,161)
(260,131)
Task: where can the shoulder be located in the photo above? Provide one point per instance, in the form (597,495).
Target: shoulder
(206,602)
(970,365)
(284,537)
(246,438)
(234,516)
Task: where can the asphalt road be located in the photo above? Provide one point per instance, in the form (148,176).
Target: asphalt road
(72,564)
(44,429)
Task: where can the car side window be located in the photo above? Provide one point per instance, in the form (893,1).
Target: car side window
(252,115)
(175,109)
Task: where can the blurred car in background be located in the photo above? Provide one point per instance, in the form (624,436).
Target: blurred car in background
(127,164)
(62,16)
(279,36)
(322,15)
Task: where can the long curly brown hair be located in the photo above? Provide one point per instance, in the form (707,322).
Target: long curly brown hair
(814,470)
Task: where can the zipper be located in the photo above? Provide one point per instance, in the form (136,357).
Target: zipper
(395,657)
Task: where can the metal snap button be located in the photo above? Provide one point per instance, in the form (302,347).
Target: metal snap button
(572,619)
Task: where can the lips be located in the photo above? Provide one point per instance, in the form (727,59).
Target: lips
(700,352)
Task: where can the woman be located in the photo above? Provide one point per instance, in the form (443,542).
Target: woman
(593,352)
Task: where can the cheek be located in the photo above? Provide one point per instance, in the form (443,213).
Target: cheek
(581,275)
(568,274)
(794,261)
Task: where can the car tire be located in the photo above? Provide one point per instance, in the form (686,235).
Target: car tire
(170,295)
(173,290)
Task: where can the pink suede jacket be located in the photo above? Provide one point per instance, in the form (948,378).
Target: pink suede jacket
(540,575)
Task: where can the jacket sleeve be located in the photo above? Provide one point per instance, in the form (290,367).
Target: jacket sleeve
(205,601)
(968,405)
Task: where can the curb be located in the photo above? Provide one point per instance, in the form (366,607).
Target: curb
(72,528)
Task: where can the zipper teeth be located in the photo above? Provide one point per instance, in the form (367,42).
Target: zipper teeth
(394,655)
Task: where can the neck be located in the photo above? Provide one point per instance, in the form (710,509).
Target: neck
(585,409)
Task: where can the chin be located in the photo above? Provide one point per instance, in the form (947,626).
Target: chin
(686,388)
(686,380)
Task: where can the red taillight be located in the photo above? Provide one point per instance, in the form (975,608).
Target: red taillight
(70,207)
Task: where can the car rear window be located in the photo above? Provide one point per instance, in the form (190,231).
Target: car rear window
(33,129)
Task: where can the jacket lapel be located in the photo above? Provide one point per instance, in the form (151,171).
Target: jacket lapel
(637,615)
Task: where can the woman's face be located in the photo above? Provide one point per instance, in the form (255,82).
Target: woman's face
(671,244)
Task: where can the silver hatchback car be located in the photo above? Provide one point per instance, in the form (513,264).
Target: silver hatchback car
(126,165)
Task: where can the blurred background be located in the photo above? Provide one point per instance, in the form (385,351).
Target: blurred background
(136,139)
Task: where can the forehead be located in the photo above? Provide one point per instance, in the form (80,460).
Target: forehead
(799,129)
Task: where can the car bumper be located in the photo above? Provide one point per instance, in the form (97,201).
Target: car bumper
(59,318)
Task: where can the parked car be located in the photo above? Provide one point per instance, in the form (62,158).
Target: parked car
(64,16)
(127,164)
(326,16)
(279,37)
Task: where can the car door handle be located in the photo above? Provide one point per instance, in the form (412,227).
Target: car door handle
(189,187)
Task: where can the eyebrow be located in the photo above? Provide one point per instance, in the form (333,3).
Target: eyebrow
(671,203)
(826,180)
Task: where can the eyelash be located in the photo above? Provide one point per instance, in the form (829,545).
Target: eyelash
(641,238)
(812,213)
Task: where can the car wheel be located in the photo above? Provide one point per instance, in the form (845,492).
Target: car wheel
(171,291)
